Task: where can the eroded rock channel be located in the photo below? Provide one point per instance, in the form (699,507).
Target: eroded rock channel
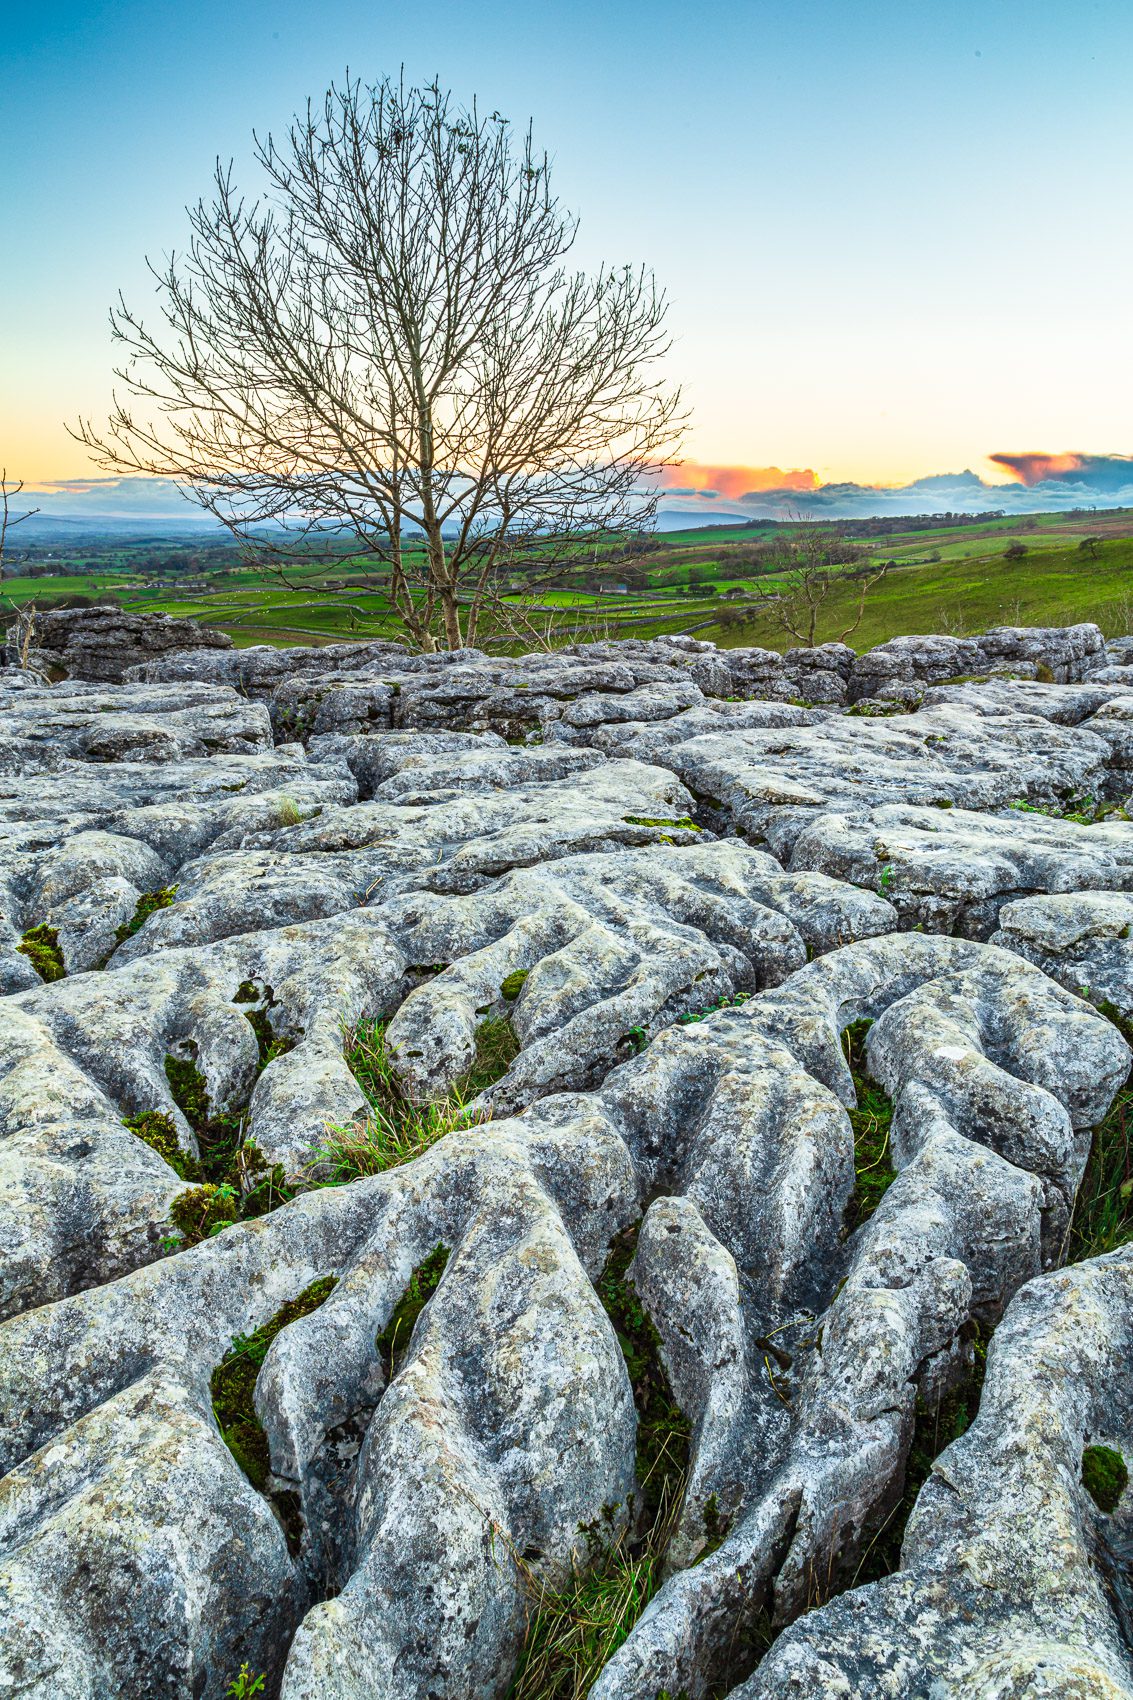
(603,1173)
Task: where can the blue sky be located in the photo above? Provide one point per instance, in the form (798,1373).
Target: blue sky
(897,237)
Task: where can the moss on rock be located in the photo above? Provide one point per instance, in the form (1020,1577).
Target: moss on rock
(1104,1476)
(41,947)
(158,1131)
(233,1383)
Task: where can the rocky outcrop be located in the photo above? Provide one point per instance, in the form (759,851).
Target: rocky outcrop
(951,870)
(770,784)
(103,644)
(1084,941)
(807,998)
(1060,654)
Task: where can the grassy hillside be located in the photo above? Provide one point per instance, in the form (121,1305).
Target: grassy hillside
(954,578)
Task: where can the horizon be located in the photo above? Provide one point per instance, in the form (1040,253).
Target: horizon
(877,340)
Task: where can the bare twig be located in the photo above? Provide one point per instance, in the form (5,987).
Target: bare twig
(8,493)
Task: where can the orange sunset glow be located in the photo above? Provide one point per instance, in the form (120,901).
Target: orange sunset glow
(736,481)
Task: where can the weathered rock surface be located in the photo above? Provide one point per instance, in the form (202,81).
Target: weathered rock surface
(1012,1581)
(651,847)
(470,1457)
(770,784)
(951,870)
(104,643)
(801,1460)
(1060,653)
(611,946)
(1084,941)
(133,722)
(81,1198)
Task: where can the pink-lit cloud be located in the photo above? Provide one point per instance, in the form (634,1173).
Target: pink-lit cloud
(1032,466)
(736,481)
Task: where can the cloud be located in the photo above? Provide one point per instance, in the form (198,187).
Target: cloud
(1033,467)
(1051,482)
(692,477)
(693,494)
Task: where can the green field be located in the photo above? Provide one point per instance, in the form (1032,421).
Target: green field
(952,578)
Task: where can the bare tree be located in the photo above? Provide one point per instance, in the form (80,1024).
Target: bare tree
(812,565)
(386,357)
(8,494)
(17,639)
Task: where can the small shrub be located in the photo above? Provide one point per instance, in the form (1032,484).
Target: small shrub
(41,947)
(243,1686)
(205,1210)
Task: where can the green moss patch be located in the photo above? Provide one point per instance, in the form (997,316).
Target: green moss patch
(393,1341)
(148,904)
(234,1383)
(685,823)
(511,987)
(691,1016)
(158,1131)
(239,1183)
(873,1167)
(1104,1476)
(1080,810)
(41,947)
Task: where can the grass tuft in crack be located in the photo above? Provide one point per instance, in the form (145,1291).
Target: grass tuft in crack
(497,1047)
(1103,1211)
(397,1129)
(935,1428)
(573,1631)
(873,1166)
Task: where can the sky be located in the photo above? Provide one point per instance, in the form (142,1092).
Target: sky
(897,237)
